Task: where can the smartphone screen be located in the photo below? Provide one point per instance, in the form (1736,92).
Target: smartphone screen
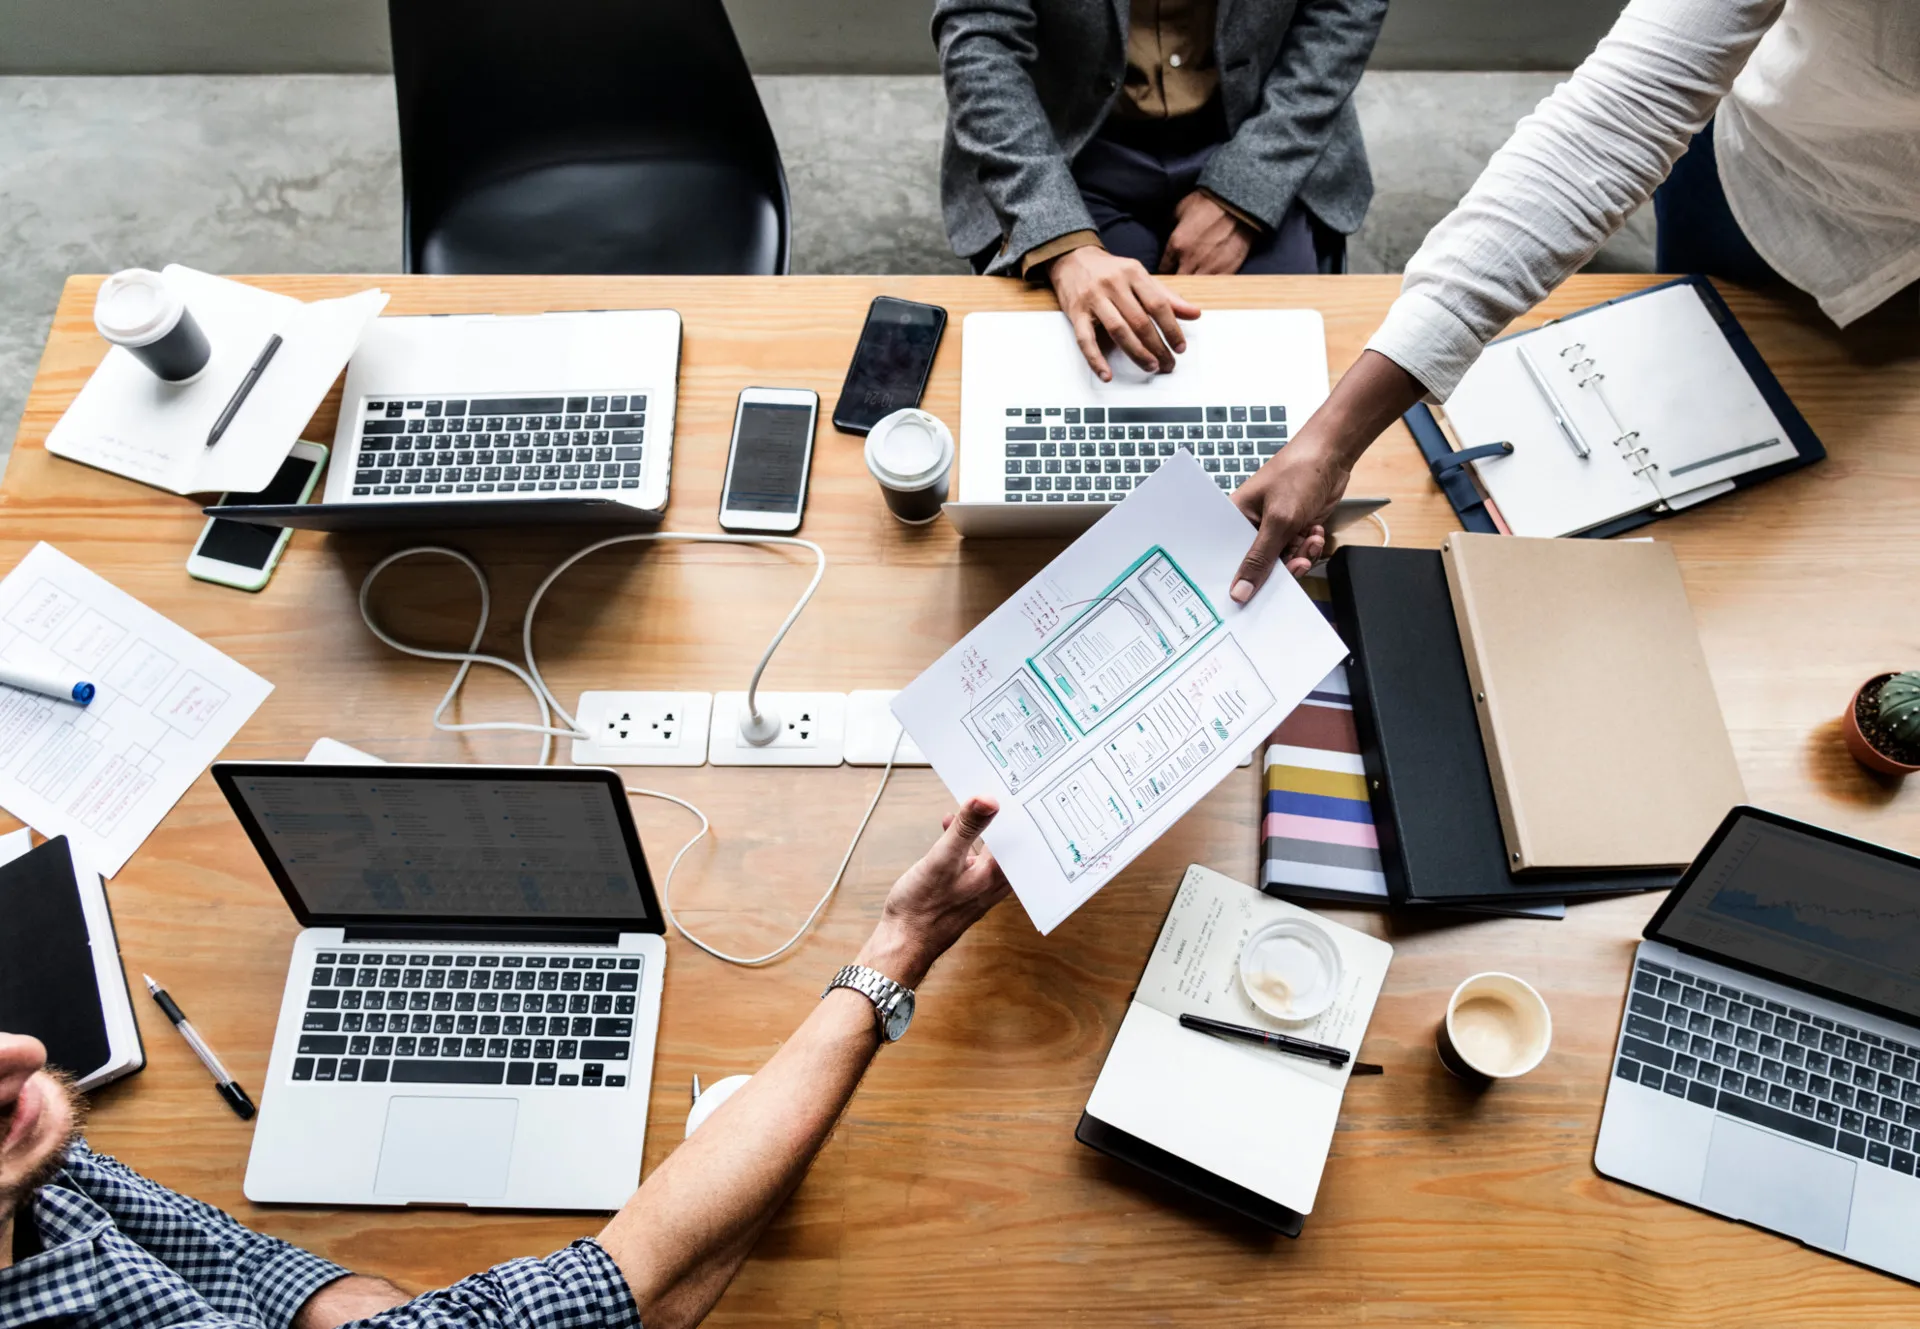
(891,363)
(769,469)
(242,543)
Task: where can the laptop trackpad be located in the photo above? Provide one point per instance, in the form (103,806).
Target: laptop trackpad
(447,1148)
(1777,1183)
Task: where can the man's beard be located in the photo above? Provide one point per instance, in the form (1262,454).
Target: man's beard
(55,1159)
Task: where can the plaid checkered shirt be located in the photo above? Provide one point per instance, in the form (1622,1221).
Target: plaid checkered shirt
(116,1249)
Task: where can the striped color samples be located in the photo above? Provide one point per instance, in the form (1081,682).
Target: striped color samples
(1317,836)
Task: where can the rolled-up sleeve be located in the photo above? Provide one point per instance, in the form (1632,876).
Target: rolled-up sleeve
(576,1288)
(1572,173)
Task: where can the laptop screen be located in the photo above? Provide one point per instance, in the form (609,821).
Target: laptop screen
(420,844)
(1817,910)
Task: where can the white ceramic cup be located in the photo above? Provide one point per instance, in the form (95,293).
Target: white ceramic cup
(1497,1028)
(911,454)
(136,309)
(711,1098)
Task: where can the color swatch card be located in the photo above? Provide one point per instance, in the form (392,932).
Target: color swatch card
(165,704)
(1317,840)
(1114,690)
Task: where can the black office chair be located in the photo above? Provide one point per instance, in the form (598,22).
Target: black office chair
(591,136)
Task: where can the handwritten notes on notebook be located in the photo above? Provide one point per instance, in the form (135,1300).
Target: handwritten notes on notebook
(1113,691)
(166,704)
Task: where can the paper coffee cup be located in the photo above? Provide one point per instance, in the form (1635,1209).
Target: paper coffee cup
(138,310)
(911,454)
(1497,1028)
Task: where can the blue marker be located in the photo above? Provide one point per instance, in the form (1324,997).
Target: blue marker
(46,682)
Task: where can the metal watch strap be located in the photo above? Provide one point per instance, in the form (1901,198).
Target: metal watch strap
(875,986)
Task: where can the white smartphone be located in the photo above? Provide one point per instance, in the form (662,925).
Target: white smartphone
(241,554)
(768,460)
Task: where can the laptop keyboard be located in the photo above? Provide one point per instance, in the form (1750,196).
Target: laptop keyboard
(1095,454)
(1792,1071)
(500,445)
(410,1017)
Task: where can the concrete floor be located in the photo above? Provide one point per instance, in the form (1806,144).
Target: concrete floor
(302,174)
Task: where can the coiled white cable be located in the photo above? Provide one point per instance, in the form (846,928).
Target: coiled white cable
(550,705)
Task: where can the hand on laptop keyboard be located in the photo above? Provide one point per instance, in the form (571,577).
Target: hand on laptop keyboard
(1101,292)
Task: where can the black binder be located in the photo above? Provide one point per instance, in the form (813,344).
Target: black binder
(1427,776)
(1456,482)
(49,984)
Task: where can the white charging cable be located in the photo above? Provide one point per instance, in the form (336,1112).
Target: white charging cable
(754,721)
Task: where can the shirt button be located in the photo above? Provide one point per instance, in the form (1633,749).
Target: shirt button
(1174,60)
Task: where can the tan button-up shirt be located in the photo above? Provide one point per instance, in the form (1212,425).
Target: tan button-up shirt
(1170,72)
(1170,68)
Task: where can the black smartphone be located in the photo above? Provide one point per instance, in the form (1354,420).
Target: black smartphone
(891,363)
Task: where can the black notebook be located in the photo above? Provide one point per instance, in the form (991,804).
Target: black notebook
(60,974)
(1433,805)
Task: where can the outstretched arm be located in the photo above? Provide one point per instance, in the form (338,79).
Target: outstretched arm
(687,1230)
(1572,173)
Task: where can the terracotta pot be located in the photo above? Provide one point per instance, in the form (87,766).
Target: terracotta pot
(1864,752)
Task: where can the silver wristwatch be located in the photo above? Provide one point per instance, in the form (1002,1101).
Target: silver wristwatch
(892,1003)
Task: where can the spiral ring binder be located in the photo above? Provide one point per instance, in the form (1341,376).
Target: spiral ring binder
(1683,461)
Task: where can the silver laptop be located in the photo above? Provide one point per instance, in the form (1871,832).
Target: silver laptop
(483,419)
(471,1006)
(1037,429)
(1768,1066)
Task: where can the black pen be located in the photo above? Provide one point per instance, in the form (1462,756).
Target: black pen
(229,1087)
(246,386)
(1299,1047)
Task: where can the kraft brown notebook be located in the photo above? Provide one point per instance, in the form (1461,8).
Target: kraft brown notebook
(1602,731)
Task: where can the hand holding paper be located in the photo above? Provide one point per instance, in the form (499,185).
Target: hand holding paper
(1115,689)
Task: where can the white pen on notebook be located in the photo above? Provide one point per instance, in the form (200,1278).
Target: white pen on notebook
(62,685)
(1567,427)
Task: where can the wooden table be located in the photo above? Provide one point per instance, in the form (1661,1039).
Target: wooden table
(953,1191)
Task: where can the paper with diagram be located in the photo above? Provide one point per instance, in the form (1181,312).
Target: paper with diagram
(1116,688)
(165,704)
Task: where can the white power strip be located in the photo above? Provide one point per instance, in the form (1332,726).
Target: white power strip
(872,732)
(812,730)
(642,728)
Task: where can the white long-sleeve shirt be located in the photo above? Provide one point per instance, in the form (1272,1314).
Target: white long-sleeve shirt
(1818,141)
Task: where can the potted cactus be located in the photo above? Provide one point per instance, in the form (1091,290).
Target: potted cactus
(1883,723)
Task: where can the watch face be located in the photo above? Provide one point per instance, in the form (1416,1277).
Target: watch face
(899,1016)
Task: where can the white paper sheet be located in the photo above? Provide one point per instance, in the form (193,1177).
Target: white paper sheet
(166,704)
(129,422)
(1116,688)
(1254,1116)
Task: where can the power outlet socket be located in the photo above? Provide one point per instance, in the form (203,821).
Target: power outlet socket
(872,732)
(813,730)
(642,728)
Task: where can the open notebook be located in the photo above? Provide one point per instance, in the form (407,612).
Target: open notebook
(1258,1120)
(1652,388)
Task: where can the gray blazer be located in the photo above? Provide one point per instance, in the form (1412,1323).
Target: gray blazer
(1029,82)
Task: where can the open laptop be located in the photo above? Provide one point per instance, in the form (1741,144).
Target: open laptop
(471,1006)
(1768,1067)
(1038,430)
(494,420)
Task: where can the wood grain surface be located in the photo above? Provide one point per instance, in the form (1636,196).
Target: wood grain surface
(953,1192)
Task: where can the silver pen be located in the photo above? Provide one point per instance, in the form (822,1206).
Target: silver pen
(1567,428)
(229,1087)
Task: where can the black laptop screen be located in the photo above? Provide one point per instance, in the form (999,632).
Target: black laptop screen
(1819,913)
(537,848)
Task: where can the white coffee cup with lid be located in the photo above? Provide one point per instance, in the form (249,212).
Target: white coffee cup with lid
(911,454)
(137,309)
